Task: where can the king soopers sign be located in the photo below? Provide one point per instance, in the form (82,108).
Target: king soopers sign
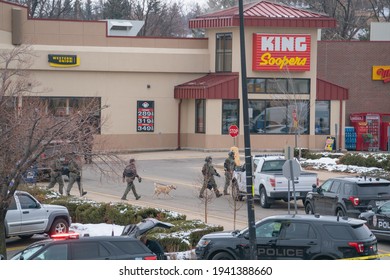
(276,52)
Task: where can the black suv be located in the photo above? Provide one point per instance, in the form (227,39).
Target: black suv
(70,247)
(283,237)
(347,196)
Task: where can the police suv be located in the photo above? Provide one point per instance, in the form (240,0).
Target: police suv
(284,237)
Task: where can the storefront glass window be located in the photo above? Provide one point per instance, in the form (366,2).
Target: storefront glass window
(281,86)
(65,106)
(229,114)
(58,106)
(256,85)
(278,117)
(299,86)
(223,55)
(277,85)
(200,116)
(322,117)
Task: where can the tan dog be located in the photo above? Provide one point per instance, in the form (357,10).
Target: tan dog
(163,189)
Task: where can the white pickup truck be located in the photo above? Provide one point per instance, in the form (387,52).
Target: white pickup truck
(269,183)
(26,216)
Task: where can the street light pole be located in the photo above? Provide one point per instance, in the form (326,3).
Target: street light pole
(248,157)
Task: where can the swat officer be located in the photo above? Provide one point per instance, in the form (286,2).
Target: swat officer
(56,176)
(229,166)
(209,172)
(129,175)
(74,176)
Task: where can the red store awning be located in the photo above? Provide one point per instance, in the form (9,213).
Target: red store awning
(211,86)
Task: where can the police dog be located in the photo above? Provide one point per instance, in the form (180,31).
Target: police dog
(163,189)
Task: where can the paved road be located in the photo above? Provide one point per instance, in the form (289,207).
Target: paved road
(183,168)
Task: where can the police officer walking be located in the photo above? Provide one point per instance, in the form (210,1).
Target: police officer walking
(56,176)
(129,175)
(229,166)
(74,176)
(209,172)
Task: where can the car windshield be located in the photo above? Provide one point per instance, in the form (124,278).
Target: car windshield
(25,254)
(374,188)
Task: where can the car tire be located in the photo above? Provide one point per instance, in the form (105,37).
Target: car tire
(264,200)
(59,226)
(309,209)
(223,256)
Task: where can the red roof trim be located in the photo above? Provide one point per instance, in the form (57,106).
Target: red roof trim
(211,86)
(329,91)
(264,13)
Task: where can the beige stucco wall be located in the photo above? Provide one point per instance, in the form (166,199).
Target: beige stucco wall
(119,71)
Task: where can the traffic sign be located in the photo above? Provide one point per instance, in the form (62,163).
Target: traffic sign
(233,130)
(291,169)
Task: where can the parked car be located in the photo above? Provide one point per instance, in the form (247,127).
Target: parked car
(269,182)
(348,196)
(72,247)
(282,237)
(40,170)
(26,216)
(378,220)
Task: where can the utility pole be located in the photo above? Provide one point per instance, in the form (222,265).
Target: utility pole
(248,156)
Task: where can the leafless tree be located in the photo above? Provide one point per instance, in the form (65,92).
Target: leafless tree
(381,10)
(28,129)
(235,201)
(207,199)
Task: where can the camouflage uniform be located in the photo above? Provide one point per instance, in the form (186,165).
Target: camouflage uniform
(129,175)
(209,172)
(75,176)
(229,166)
(56,176)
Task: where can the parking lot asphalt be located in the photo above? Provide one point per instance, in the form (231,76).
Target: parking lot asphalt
(218,158)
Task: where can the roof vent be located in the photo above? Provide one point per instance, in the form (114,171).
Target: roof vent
(117,27)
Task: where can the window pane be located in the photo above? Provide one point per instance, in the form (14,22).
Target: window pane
(223,52)
(256,116)
(55,252)
(57,106)
(200,116)
(299,86)
(276,85)
(298,117)
(229,114)
(278,116)
(322,117)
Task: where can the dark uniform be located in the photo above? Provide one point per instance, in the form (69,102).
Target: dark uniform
(229,166)
(75,176)
(56,176)
(129,175)
(155,247)
(209,172)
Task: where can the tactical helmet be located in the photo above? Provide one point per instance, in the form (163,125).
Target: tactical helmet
(231,154)
(131,160)
(208,159)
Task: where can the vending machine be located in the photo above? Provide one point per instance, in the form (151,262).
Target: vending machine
(385,136)
(361,130)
